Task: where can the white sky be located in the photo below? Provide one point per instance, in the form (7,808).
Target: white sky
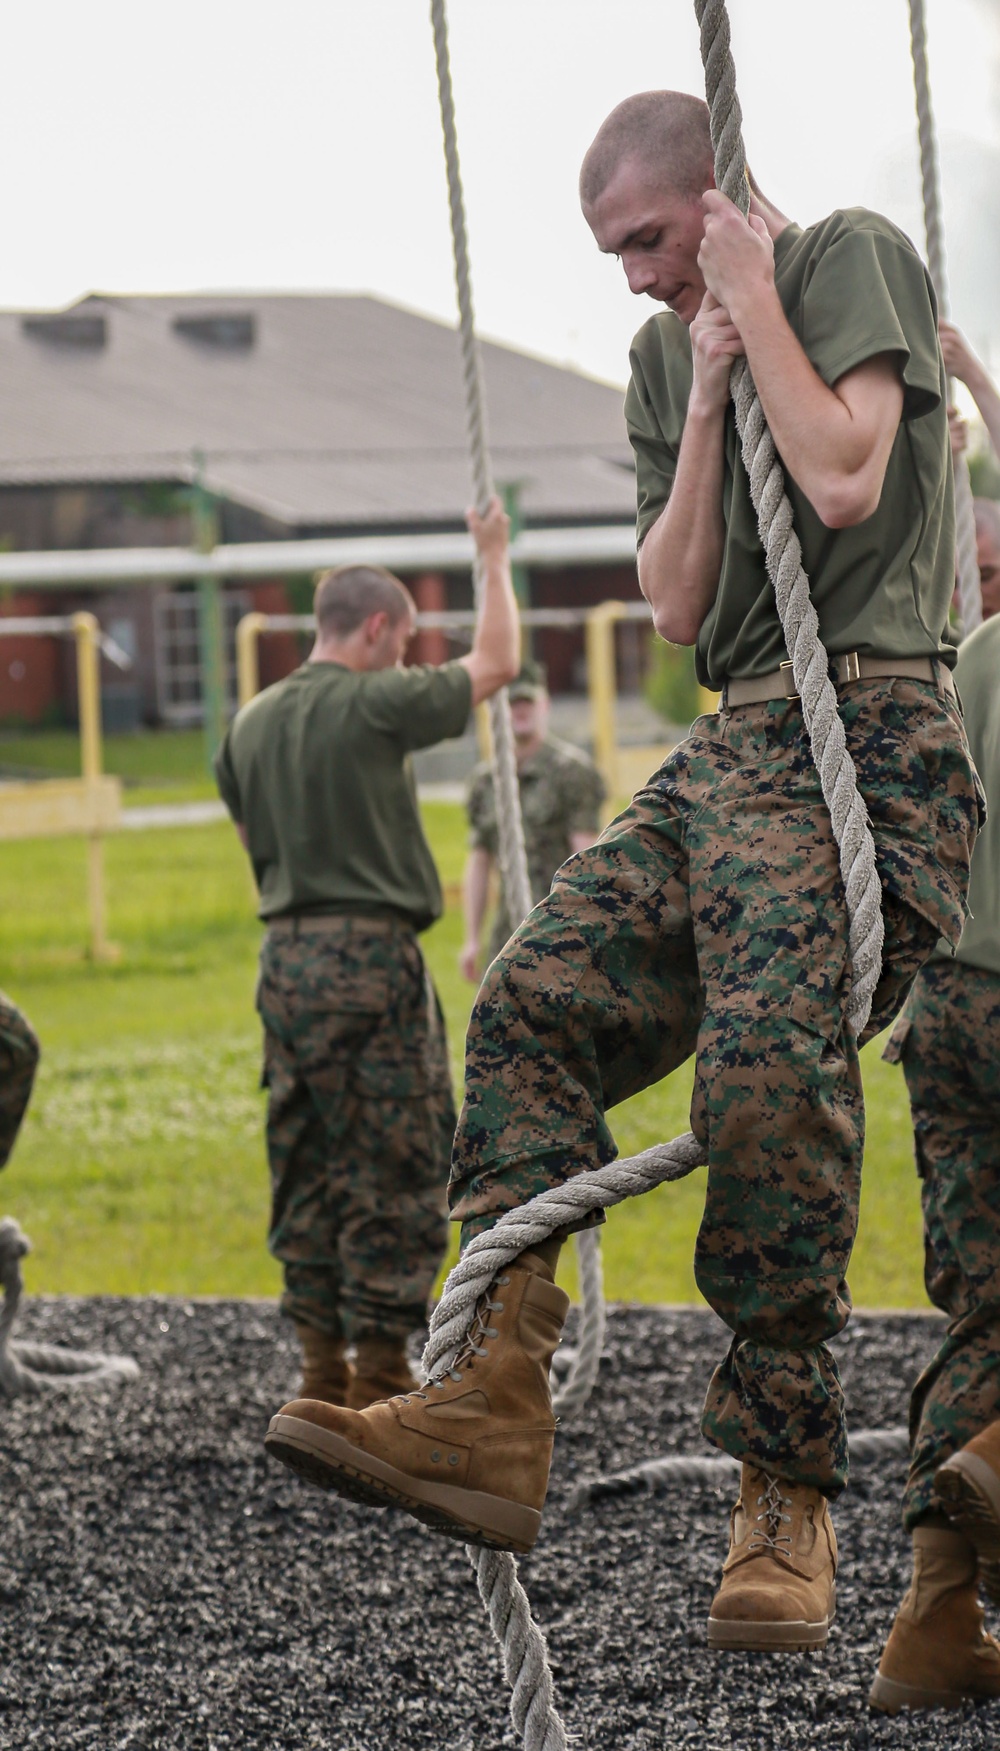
(233,144)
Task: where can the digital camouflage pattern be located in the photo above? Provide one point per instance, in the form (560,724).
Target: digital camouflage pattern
(561,793)
(710,918)
(947,1039)
(19,1054)
(359,1123)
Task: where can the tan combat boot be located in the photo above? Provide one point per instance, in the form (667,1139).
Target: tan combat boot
(381,1370)
(937,1655)
(326,1374)
(967,1487)
(778,1593)
(468,1454)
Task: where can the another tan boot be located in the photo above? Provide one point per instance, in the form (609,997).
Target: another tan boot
(326,1374)
(967,1487)
(778,1592)
(381,1370)
(937,1655)
(468,1454)
(326,1371)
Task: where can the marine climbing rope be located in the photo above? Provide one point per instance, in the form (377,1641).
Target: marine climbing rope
(521,1642)
(586,1359)
(970,596)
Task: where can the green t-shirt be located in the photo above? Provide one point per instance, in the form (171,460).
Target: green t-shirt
(851,287)
(977,675)
(316,769)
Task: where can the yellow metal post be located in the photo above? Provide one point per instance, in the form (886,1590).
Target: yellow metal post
(601,685)
(248,657)
(85,631)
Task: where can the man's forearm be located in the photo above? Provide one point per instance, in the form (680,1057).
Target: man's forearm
(984,393)
(680,559)
(496,644)
(475,891)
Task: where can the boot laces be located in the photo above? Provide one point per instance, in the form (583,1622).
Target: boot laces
(767,1533)
(480,1330)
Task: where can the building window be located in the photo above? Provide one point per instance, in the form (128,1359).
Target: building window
(177,645)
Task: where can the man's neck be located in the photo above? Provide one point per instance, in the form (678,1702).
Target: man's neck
(342,652)
(524,750)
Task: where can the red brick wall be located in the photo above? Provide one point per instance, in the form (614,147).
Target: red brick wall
(29,665)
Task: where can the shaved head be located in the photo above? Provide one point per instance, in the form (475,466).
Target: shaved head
(666,132)
(347,596)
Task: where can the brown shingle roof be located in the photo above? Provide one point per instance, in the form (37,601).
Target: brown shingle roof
(320,411)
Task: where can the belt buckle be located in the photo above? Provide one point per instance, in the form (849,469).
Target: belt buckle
(790,692)
(852,667)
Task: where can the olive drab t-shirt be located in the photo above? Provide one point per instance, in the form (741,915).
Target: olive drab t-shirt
(977,675)
(851,287)
(317,770)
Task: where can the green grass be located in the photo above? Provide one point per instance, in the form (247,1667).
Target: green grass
(154,765)
(141,1165)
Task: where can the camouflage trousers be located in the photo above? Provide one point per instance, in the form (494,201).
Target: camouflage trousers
(360,1121)
(709,918)
(948,1039)
(19,1053)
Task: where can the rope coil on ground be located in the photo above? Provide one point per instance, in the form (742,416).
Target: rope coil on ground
(654,1476)
(29,1370)
(970,594)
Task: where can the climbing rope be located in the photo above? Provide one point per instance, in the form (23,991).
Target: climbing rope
(510,827)
(522,1644)
(970,595)
(28,1370)
(510,830)
(654,1476)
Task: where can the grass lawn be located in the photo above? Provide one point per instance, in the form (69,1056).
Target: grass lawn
(154,765)
(141,1164)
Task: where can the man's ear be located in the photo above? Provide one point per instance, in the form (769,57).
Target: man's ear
(375,625)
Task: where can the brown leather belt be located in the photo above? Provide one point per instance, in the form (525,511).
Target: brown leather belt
(780,684)
(300,923)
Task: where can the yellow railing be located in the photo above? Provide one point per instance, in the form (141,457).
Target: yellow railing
(88,806)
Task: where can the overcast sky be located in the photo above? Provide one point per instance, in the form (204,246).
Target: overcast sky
(232,144)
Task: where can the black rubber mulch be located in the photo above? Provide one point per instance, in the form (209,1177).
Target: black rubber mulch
(164,1584)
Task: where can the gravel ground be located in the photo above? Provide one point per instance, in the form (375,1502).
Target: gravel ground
(163,1584)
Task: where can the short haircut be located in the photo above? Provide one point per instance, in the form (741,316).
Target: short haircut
(667,131)
(987,518)
(347,596)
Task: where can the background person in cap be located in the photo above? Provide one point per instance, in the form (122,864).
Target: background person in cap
(561,793)
(316,775)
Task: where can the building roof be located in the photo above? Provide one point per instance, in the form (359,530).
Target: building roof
(320,411)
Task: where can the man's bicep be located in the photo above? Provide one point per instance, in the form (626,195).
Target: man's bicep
(873,395)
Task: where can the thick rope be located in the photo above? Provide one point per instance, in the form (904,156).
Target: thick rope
(28,1370)
(970,594)
(783,555)
(510,828)
(655,1476)
(510,831)
(585,1361)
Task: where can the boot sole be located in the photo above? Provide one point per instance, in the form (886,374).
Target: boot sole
(969,1492)
(331,1462)
(890,1697)
(753,1637)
